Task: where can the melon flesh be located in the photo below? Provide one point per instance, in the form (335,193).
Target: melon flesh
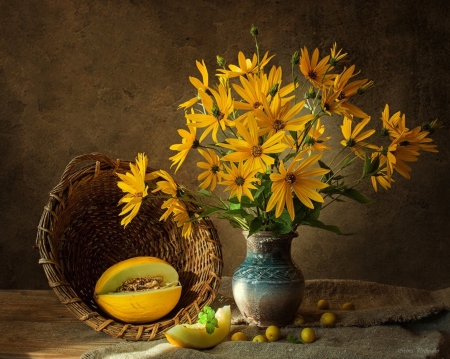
(141,306)
(195,336)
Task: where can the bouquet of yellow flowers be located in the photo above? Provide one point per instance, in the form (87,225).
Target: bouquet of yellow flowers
(263,141)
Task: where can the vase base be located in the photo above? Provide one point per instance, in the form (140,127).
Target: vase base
(265,304)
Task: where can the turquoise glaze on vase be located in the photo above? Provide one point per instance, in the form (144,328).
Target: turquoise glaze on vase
(268,286)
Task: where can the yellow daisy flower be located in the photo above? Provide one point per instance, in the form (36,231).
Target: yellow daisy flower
(336,56)
(381,177)
(253,89)
(188,141)
(313,140)
(246,66)
(354,139)
(404,154)
(199,85)
(133,184)
(296,178)
(276,117)
(415,137)
(274,79)
(315,71)
(347,90)
(389,123)
(331,103)
(182,218)
(432,126)
(249,148)
(239,180)
(218,109)
(167,185)
(213,169)
(170,205)
(387,157)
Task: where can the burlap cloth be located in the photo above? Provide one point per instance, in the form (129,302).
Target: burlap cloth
(389,322)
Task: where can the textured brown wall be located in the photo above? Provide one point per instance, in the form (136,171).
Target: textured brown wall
(107,76)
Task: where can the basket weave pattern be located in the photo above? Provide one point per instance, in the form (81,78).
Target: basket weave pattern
(79,236)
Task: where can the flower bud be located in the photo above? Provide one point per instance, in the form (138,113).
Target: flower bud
(295,60)
(432,126)
(220,61)
(363,88)
(311,93)
(273,90)
(254,31)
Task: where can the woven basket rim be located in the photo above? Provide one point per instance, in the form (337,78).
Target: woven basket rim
(80,170)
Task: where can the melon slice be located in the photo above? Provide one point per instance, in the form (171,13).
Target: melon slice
(195,336)
(138,307)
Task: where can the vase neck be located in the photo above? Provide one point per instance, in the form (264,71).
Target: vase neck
(266,245)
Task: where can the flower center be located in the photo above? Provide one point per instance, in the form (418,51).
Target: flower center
(138,194)
(195,143)
(216,112)
(256,151)
(310,141)
(351,142)
(278,125)
(404,143)
(290,178)
(239,181)
(257,104)
(341,96)
(312,74)
(215,169)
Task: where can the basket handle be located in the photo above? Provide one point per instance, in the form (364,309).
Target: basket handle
(98,157)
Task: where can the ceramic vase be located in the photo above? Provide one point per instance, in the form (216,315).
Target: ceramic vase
(268,286)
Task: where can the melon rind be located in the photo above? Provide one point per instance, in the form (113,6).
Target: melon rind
(137,307)
(195,336)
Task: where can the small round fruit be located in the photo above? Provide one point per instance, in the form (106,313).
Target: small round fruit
(323,304)
(238,337)
(299,320)
(308,335)
(273,333)
(259,338)
(348,306)
(328,319)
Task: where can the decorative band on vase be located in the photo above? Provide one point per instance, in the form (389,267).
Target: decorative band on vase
(268,274)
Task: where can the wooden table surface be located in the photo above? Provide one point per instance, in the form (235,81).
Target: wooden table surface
(34,324)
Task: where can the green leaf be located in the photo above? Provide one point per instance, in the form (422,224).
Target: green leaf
(290,338)
(208,317)
(255,225)
(318,224)
(315,213)
(243,203)
(209,211)
(234,200)
(333,189)
(236,212)
(204,192)
(258,192)
(347,162)
(356,196)
(234,206)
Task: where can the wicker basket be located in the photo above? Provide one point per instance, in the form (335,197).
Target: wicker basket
(79,236)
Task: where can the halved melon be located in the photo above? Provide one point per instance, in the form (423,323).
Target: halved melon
(195,335)
(138,307)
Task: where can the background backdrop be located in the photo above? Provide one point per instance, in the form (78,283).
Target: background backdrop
(107,76)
